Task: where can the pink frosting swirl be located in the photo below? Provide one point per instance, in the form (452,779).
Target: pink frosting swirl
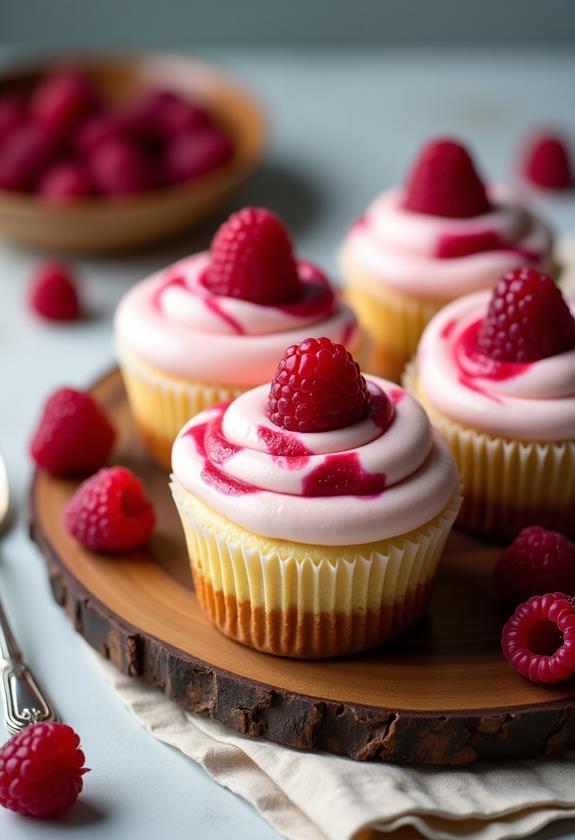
(439,258)
(174,322)
(530,401)
(376,479)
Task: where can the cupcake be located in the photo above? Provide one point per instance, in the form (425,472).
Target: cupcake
(441,236)
(315,512)
(214,324)
(496,374)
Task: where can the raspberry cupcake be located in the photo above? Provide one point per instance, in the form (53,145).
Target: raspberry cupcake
(316,512)
(445,234)
(496,374)
(215,324)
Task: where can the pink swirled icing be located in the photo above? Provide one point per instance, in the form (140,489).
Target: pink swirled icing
(530,401)
(439,258)
(376,479)
(173,321)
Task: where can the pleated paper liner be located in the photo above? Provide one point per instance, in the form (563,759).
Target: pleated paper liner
(309,601)
(507,484)
(162,404)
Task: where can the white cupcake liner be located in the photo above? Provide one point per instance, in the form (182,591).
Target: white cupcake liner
(305,601)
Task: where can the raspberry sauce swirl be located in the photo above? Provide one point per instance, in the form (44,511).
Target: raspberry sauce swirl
(528,401)
(376,479)
(438,258)
(173,321)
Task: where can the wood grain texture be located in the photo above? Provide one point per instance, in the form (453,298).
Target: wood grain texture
(95,225)
(440,694)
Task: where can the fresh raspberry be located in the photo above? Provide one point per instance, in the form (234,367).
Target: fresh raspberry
(62,99)
(191,153)
(164,113)
(109,512)
(95,129)
(73,437)
(527,319)
(444,182)
(118,167)
(539,638)
(27,150)
(53,293)
(537,561)
(12,114)
(547,162)
(317,387)
(41,770)
(252,258)
(64,182)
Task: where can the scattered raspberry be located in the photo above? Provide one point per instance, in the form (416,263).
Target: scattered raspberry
(252,258)
(53,293)
(537,561)
(546,163)
(62,99)
(317,387)
(41,770)
(109,512)
(539,638)
(27,150)
(193,153)
(64,182)
(118,167)
(73,437)
(527,319)
(444,182)
(12,114)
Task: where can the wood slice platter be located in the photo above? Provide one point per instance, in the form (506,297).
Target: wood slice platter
(441,694)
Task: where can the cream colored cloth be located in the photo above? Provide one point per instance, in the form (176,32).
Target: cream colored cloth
(305,796)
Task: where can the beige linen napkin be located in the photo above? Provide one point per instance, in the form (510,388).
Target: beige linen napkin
(306,796)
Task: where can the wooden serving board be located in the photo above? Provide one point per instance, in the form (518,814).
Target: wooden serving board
(442,693)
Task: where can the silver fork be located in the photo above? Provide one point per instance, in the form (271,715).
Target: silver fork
(24,701)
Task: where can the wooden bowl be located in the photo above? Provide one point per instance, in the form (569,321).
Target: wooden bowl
(98,225)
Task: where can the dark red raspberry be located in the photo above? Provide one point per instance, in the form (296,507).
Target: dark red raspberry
(252,258)
(118,167)
(41,770)
(97,128)
(527,319)
(165,113)
(12,114)
(444,182)
(27,150)
(537,561)
(65,182)
(547,162)
(191,153)
(317,387)
(539,638)
(74,436)
(53,293)
(109,512)
(62,99)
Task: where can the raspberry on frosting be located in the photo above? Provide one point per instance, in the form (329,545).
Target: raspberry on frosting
(527,319)
(317,387)
(444,182)
(547,162)
(252,258)
(536,562)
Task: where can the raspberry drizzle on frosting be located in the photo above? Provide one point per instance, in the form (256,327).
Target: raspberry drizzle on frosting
(379,477)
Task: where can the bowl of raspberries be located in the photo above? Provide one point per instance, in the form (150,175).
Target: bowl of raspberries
(103,155)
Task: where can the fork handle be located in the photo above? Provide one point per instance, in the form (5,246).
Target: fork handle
(24,701)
